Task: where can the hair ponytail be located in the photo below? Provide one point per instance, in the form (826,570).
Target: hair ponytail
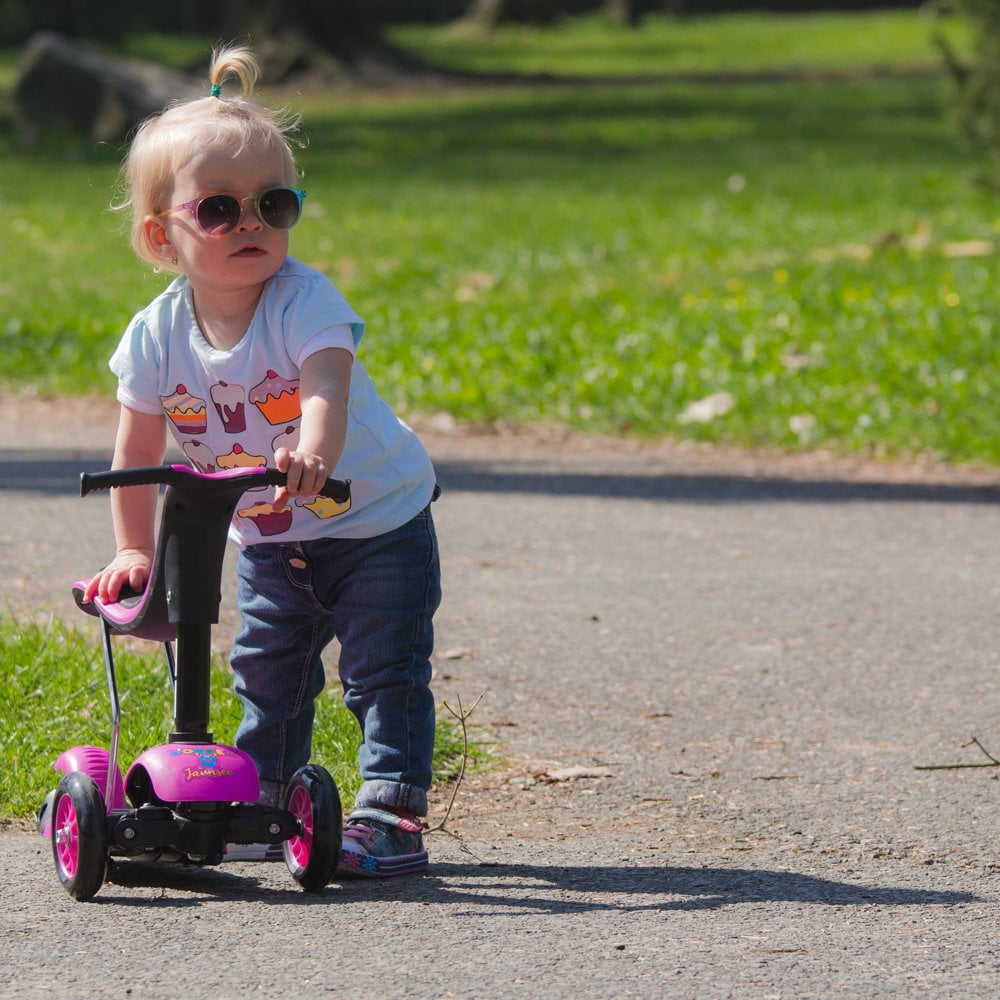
(233,61)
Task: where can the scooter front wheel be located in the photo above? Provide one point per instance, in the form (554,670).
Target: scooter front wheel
(79,835)
(313,855)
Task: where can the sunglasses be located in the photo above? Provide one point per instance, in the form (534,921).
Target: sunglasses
(219,214)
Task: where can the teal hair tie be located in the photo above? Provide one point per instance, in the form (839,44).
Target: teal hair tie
(216,90)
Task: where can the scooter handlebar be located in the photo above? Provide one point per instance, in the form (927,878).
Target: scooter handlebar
(177,475)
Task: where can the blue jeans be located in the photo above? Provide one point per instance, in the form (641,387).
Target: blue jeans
(377,596)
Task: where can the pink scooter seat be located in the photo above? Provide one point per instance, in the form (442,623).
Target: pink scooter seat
(184,585)
(143,615)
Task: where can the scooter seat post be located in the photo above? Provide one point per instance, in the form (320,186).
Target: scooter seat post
(193,684)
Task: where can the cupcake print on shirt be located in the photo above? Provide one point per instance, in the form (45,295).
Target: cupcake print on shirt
(200,455)
(277,398)
(288,438)
(239,459)
(186,412)
(323,507)
(230,405)
(266,519)
(263,515)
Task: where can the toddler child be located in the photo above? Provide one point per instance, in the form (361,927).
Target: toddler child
(248,357)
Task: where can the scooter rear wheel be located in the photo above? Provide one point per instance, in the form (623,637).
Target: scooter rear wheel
(79,835)
(312,856)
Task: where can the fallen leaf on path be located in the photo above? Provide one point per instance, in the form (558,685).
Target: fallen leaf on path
(968,248)
(457,653)
(704,410)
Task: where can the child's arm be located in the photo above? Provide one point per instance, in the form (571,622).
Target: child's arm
(324,388)
(141,441)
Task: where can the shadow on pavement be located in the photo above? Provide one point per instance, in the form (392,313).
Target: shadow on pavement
(585,888)
(475,477)
(55,474)
(58,474)
(516,888)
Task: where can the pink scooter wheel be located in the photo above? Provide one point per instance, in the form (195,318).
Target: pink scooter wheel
(313,855)
(79,835)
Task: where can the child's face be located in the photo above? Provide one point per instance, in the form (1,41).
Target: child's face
(248,255)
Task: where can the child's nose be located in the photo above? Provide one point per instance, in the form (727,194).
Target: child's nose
(249,216)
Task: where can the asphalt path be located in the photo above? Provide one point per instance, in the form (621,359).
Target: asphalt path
(718,680)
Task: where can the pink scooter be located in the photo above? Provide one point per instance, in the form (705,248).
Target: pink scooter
(187,799)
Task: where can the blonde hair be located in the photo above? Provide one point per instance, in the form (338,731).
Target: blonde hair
(164,143)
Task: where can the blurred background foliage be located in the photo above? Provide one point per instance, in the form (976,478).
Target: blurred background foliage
(111,20)
(292,34)
(749,226)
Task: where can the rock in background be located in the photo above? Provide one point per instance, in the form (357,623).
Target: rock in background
(65,87)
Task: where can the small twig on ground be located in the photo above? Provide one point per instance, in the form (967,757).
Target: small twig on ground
(981,747)
(993,761)
(463,716)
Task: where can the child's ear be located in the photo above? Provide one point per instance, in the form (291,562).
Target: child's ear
(157,237)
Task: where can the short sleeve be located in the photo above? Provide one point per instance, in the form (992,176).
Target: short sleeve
(136,363)
(310,313)
(339,335)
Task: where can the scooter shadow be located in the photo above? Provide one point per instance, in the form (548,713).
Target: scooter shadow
(568,889)
(518,888)
(182,885)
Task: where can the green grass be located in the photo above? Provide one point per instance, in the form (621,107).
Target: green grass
(731,43)
(605,255)
(57,698)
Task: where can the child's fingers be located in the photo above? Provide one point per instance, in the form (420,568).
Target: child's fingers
(107,584)
(137,577)
(113,583)
(306,475)
(91,589)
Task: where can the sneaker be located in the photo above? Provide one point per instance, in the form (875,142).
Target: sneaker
(254,852)
(378,843)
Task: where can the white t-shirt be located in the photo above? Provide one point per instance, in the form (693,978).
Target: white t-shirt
(236,407)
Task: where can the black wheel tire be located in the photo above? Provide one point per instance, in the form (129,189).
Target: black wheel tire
(79,835)
(312,856)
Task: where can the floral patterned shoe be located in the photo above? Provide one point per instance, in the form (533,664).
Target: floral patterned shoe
(378,843)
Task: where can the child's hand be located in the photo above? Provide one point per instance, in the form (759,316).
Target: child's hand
(130,567)
(307,474)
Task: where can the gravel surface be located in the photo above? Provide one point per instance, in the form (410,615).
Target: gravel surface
(717,678)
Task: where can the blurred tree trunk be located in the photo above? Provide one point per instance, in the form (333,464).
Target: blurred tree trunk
(624,11)
(313,36)
(977,79)
(484,14)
